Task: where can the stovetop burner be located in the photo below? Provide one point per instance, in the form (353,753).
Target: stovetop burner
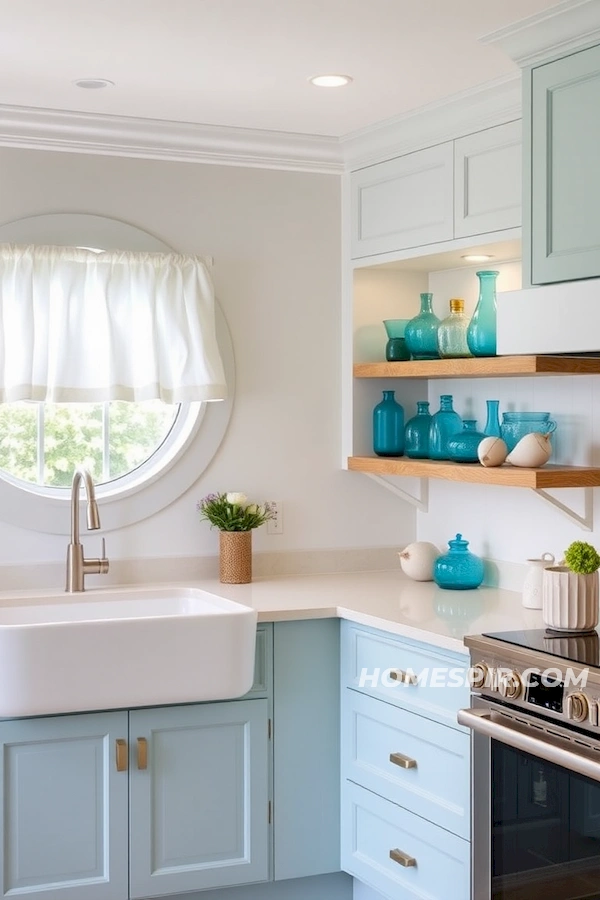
(579,648)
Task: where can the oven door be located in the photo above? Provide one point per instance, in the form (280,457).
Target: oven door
(536,807)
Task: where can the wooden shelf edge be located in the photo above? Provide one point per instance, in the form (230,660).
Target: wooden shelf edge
(549,476)
(494,366)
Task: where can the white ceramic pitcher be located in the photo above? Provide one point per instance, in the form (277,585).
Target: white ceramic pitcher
(532,587)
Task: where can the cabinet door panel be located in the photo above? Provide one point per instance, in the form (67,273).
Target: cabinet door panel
(487,175)
(403,203)
(199,810)
(565,180)
(64,808)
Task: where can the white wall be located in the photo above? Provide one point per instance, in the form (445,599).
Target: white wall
(275,237)
(512,524)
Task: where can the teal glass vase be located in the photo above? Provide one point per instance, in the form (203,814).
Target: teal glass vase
(462,447)
(445,423)
(458,569)
(388,427)
(492,423)
(396,349)
(416,433)
(421,332)
(481,333)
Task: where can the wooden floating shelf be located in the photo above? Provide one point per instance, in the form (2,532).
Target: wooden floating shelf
(481,367)
(547,477)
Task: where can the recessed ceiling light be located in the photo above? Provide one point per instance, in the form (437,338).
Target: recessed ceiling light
(477,257)
(330,80)
(93,84)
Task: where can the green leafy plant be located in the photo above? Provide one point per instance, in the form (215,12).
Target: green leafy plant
(232,512)
(582,558)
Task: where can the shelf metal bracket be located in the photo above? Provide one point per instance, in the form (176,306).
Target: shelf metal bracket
(421,502)
(585,521)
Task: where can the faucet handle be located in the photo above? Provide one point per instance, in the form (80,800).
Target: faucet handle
(103,561)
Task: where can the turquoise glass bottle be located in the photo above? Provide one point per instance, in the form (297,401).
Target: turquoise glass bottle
(445,423)
(421,332)
(492,423)
(462,447)
(458,569)
(416,433)
(481,333)
(388,427)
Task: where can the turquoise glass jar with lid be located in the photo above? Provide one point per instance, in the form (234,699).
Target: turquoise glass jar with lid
(416,433)
(388,426)
(421,332)
(445,423)
(458,569)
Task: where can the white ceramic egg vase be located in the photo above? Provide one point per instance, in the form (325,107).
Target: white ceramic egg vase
(569,600)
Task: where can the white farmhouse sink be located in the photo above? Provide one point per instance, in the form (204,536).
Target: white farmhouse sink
(109,649)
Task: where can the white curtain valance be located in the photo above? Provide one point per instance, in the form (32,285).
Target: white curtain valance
(81,326)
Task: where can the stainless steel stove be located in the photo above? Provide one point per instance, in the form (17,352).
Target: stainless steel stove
(535,719)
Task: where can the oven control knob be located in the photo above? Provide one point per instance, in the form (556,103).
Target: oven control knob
(510,685)
(478,675)
(577,707)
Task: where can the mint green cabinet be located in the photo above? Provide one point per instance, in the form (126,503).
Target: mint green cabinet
(563,184)
(199,808)
(64,807)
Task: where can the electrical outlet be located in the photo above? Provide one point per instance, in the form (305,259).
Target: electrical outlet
(275,525)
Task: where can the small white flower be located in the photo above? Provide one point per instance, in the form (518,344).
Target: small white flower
(237,499)
(253,509)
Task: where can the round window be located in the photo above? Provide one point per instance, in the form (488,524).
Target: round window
(141,455)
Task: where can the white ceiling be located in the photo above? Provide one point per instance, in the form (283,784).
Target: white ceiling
(245,63)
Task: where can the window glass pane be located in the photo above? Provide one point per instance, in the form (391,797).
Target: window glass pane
(18,440)
(72,437)
(136,430)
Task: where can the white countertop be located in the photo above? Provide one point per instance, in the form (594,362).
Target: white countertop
(386,600)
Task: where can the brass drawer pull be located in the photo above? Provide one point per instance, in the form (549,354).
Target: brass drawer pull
(121,754)
(403,677)
(142,753)
(405,762)
(402,858)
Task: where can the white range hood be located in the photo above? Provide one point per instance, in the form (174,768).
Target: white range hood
(552,318)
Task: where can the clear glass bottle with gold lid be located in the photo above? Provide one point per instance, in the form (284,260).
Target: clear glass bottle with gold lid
(452,332)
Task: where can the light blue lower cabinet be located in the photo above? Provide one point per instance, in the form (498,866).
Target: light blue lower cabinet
(408,759)
(199,800)
(399,854)
(64,807)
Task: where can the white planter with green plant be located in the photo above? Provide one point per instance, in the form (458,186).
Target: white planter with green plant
(570,591)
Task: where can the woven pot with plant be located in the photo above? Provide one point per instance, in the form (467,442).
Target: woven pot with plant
(570,591)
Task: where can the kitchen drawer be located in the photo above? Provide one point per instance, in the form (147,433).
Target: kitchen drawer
(370,658)
(436,786)
(373,827)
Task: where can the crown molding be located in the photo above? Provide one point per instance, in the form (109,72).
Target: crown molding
(48,129)
(564,28)
(483,106)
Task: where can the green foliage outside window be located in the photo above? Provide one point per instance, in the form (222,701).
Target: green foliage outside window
(73,435)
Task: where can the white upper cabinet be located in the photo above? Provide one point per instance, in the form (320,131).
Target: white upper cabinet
(457,189)
(487,180)
(405,202)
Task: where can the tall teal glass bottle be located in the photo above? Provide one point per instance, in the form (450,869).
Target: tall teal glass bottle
(444,424)
(416,433)
(421,332)
(388,427)
(481,333)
